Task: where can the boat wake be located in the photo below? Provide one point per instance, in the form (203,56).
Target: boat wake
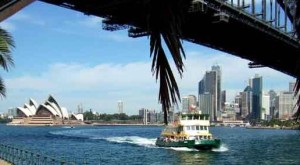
(223,148)
(182,149)
(146,142)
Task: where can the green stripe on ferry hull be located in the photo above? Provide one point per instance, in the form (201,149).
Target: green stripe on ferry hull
(202,145)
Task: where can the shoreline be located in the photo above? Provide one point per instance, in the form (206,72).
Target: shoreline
(78,125)
(279,128)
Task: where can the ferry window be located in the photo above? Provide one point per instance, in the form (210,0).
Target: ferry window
(190,117)
(201,128)
(201,117)
(193,127)
(205,127)
(188,128)
(197,127)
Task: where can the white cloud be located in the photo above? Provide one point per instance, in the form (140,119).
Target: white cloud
(24,17)
(100,87)
(92,22)
(8,26)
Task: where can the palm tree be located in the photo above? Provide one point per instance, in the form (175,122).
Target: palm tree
(6,44)
(165,21)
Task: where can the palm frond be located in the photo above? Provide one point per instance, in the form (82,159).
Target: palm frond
(2,88)
(6,44)
(296,91)
(165,22)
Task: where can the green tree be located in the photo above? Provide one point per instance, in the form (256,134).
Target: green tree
(6,45)
(88,115)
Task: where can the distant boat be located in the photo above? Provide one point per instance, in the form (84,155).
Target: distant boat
(191,131)
(68,127)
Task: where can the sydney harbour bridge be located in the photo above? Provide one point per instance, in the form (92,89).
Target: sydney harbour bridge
(262,31)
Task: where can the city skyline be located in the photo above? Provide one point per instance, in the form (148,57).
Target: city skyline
(72,58)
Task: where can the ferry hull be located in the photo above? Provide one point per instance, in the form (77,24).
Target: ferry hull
(199,145)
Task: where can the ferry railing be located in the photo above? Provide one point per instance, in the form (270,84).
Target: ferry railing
(20,156)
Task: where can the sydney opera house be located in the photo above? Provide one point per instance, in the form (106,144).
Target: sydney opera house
(48,113)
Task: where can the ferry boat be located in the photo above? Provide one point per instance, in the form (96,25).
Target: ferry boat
(190,130)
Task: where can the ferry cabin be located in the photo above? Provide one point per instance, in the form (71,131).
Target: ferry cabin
(189,127)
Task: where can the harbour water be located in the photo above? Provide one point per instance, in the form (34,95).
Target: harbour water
(136,145)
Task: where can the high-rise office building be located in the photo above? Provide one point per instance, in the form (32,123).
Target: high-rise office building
(265,114)
(207,105)
(217,69)
(286,105)
(211,84)
(257,87)
(272,95)
(223,99)
(120,106)
(185,104)
(249,100)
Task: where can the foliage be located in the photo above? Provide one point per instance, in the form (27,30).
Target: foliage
(280,123)
(88,115)
(6,44)
(4,120)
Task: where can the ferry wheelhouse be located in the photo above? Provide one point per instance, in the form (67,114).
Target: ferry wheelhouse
(189,130)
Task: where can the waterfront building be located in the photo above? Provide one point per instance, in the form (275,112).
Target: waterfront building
(49,108)
(48,113)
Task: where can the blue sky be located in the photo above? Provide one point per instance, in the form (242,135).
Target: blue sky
(67,54)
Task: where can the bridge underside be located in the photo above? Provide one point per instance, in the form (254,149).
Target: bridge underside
(237,34)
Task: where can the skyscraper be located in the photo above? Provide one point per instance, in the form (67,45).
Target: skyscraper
(286,105)
(217,69)
(185,104)
(120,106)
(207,105)
(247,99)
(223,99)
(211,85)
(265,114)
(256,97)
